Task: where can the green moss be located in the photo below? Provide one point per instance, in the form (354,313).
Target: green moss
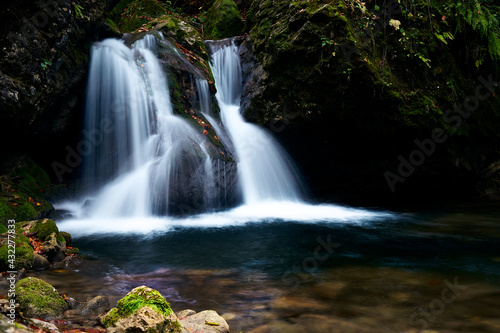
(45,228)
(135,300)
(223,20)
(38,298)
(6,211)
(25,211)
(24,253)
(22,192)
(117,11)
(67,238)
(3,228)
(140,12)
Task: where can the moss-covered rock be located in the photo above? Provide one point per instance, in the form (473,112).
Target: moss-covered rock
(140,12)
(67,238)
(142,310)
(23,252)
(223,20)
(41,229)
(38,299)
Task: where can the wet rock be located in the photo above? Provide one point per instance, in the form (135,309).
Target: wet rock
(40,263)
(72,303)
(69,262)
(38,299)
(95,307)
(207,321)
(67,238)
(53,249)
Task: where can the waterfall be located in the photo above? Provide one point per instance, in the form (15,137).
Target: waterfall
(145,158)
(142,161)
(266,172)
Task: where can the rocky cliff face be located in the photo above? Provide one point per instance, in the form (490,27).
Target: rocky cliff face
(352,88)
(43,64)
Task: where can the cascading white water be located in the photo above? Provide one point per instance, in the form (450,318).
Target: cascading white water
(140,149)
(137,161)
(265,170)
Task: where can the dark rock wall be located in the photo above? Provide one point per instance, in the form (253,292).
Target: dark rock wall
(347,97)
(44,53)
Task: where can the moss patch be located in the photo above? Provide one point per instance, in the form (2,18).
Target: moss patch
(45,228)
(23,249)
(140,12)
(39,299)
(135,300)
(22,191)
(223,20)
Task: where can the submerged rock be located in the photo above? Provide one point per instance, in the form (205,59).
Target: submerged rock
(38,299)
(95,307)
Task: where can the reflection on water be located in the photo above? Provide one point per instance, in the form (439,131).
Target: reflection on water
(434,272)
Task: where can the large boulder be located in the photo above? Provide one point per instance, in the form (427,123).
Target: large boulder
(38,299)
(142,310)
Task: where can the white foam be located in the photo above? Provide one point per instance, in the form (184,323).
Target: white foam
(268,212)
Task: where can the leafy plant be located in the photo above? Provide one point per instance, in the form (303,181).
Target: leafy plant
(45,64)
(326,42)
(78,10)
(483,20)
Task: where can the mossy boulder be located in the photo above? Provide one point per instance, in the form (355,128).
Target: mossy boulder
(38,299)
(140,12)
(223,20)
(44,230)
(41,229)
(23,252)
(142,310)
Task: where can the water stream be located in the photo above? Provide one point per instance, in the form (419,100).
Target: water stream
(275,263)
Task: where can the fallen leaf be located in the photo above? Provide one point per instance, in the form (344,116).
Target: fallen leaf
(211,323)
